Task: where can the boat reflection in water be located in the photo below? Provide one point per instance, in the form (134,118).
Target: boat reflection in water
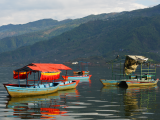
(85,81)
(139,99)
(41,107)
(135,100)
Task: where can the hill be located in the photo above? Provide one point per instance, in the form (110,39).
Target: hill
(15,36)
(97,39)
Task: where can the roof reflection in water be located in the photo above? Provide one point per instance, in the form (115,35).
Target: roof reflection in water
(41,107)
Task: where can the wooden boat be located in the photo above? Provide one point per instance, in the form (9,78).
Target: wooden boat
(14,90)
(128,82)
(145,76)
(106,82)
(83,67)
(19,90)
(68,85)
(76,77)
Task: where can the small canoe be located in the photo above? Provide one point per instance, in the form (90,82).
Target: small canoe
(76,77)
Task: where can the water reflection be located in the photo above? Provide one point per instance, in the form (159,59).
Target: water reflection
(41,107)
(85,80)
(136,100)
(139,99)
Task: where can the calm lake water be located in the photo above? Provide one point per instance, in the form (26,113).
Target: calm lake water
(89,101)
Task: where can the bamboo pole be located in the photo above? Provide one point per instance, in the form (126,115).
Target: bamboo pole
(18,79)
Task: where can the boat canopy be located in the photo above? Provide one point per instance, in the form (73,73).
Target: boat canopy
(44,67)
(132,62)
(48,71)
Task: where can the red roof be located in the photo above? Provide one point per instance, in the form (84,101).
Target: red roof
(44,67)
(53,66)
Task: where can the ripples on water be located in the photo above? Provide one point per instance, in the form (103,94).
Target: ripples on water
(89,101)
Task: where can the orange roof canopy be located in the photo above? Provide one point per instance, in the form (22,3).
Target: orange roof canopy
(44,67)
(51,65)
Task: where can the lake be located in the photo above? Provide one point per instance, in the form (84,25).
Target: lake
(89,101)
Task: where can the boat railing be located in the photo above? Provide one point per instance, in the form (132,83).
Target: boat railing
(143,72)
(131,76)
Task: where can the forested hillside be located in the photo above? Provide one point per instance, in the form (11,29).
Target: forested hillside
(96,38)
(15,36)
(100,39)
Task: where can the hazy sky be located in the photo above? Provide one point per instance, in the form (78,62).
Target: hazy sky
(24,11)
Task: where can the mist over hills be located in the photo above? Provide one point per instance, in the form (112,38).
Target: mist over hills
(92,38)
